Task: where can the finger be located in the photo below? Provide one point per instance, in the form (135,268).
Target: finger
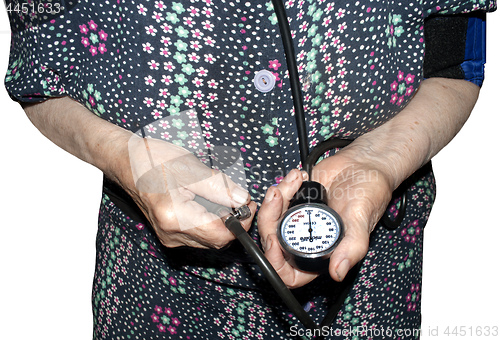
(290,185)
(349,252)
(247,223)
(269,214)
(291,276)
(274,254)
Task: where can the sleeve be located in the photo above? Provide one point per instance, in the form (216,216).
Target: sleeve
(455,46)
(31,74)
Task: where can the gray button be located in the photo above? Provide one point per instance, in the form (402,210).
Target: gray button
(264,81)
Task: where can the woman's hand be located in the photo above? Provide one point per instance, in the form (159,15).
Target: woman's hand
(273,207)
(360,194)
(360,179)
(167,184)
(163,180)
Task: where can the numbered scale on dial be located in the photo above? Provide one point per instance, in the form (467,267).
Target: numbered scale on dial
(310,230)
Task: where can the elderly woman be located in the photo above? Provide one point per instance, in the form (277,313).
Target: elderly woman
(148,91)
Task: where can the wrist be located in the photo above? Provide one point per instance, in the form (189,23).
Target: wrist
(112,157)
(392,151)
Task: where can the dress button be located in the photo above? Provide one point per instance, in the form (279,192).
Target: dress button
(264,81)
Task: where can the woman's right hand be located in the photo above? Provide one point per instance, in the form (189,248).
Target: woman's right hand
(165,181)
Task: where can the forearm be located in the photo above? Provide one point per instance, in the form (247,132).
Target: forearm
(78,131)
(429,122)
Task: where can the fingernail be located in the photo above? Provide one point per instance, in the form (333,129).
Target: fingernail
(342,269)
(305,176)
(269,243)
(292,176)
(240,196)
(270,195)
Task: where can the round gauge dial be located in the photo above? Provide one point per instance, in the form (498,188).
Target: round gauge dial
(310,229)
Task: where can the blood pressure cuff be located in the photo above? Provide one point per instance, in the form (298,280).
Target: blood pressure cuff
(455,46)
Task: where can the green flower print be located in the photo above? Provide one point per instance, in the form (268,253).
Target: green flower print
(272,141)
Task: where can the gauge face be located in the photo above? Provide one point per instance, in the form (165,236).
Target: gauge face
(310,229)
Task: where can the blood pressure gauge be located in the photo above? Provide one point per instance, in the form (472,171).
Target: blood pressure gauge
(310,230)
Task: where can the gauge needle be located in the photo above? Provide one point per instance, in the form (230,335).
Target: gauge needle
(310,229)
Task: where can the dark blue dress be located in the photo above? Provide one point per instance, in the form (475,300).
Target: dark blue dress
(183,72)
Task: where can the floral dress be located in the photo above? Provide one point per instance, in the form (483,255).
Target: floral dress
(183,72)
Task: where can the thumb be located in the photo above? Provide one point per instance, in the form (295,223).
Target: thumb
(220,189)
(203,181)
(349,252)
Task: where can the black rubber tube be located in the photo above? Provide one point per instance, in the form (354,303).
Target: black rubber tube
(293,73)
(234,225)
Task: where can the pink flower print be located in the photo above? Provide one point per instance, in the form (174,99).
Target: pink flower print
(91,101)
(92,25)
(157,16)
(197,82)
(340,13)
(188,21)
(208,25)
(195,45)
(162,328)
(209,58)
(156,114)
(172,281)
(166,79)
(147,47)
(103,35)
(153,65)
(409,78)
(327,21)
(84,29)
(166,41)
(85,41)
(343,85)
(172,330)
(160,5)
(155,318)
(203,72)
(401,76)
(194,57)
(168,311)
(166,28)
(394,98)
(93,50)
(164,52)
(158,309)
(151,30)
(409,91)
(207,11)
(102,48)
(209,41)
(149,80)
(168,66)
(142,9)
(394,86)
(161,104)
(274,64)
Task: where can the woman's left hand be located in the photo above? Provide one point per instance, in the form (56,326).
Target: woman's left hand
(360,179)
(359,192)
